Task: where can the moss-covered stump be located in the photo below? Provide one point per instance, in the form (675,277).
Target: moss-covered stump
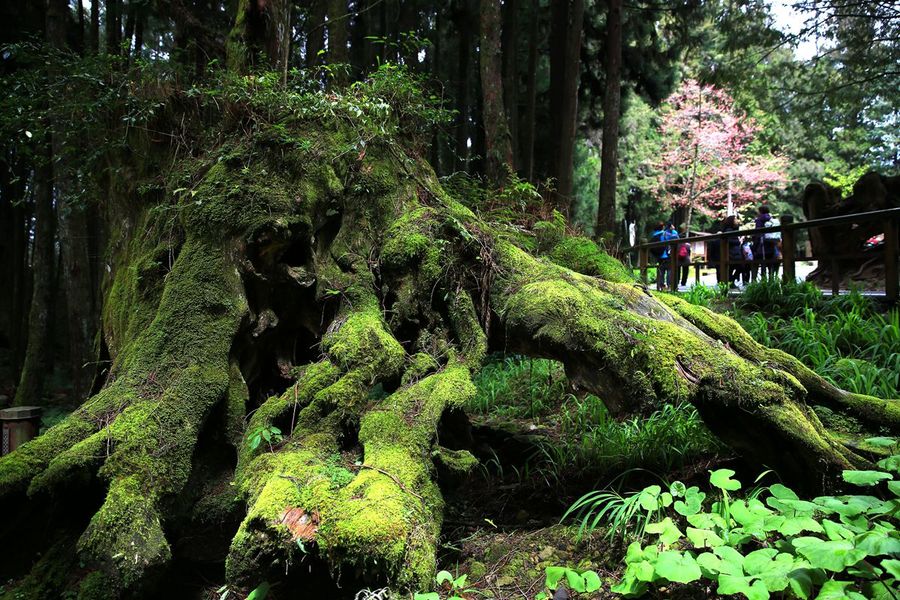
(310,305)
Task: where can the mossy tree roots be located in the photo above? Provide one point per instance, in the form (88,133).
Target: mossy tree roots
(345,299)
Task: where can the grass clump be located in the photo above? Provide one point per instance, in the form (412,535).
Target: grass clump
(844,338)
(581,436)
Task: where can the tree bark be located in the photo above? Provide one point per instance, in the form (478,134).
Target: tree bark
(565,63)
(37,360)
(315,32)
(113,29)
(529,123)
(73,235)
(338,35)
(510,43)
(498,149)
(463,18)
(95,27)
(606,205)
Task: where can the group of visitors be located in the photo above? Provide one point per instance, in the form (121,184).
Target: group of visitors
(748,255)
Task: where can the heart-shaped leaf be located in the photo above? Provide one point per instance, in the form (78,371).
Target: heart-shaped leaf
(721,478)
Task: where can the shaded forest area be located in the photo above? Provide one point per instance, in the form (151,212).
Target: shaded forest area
(323,297)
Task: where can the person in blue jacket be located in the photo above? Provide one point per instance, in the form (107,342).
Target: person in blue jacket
(663,233)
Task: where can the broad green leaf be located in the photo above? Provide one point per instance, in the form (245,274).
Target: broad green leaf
(801,583)
(759,560)
(876,544)
(832,555)
(677,566)
(730,584)
(677,489)
(894,486)
(891,463)
(575,581)
(865,478)
(649,497)
(795,525)
(836,531)
(707,521)
(883,442)
(692,504)
(892,566)
(721,478)
(553,576)
(261,591)
(592,582)
(837,590)
(703,538)
(630,588)
(710,564)
(460,581)
(427,596)
(848,506)
(443,577)
(642,571)
(782,493)
(732,560)
(667,530)
(799,507)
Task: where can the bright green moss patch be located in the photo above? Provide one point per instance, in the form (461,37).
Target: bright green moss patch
(584,256)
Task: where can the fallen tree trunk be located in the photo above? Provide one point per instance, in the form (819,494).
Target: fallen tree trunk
(315,309)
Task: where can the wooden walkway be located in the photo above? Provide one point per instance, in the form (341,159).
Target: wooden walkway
(787,265)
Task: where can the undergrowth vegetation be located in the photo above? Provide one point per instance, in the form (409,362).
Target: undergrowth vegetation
(578,432)
(844,338)
(761,542)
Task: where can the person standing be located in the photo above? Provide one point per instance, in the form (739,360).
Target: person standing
(684,255)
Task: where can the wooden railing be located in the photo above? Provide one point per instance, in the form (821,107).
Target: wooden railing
(788,259)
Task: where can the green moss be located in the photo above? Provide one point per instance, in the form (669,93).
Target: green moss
(96,586)
(584,256)
(126,532)
(418,366)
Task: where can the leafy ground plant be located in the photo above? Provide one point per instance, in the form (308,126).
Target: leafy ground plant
(579,582)
(455,587)
(773,542)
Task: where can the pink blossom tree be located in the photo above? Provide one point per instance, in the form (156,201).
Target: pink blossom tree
(707,162)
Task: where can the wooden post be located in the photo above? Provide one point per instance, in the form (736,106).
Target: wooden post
(835,277)
(724,274)
(696,273)
(642,263)
(890,260)
(788,244)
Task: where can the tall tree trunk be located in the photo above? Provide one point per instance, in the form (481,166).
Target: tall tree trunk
(21,289)
(338,34)
(113,30)
(73,235)
(565,62)
(37,361)
(528,123)
(407,23)
(510,42)
(95,27)
(463,19)
(315,32)
(129,27)
(497,146)
(606,206)
(79,40)
(140,19)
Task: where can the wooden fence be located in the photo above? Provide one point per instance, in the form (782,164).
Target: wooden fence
(788,259)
